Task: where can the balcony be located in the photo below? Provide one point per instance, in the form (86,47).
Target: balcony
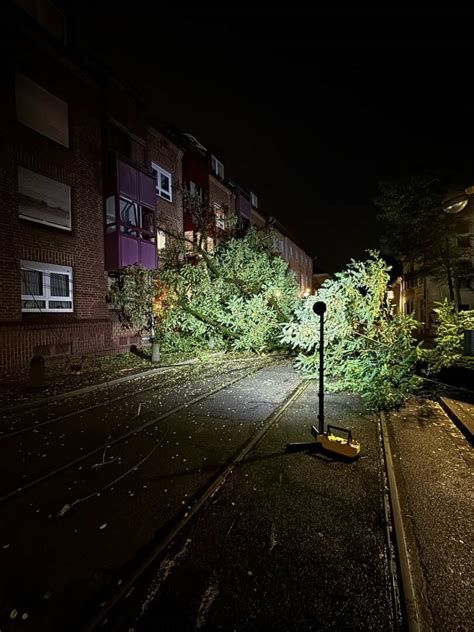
(130,232)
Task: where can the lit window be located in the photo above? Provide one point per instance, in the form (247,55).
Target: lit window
(217,167)
(45,287)
(163,182)
(220,216)
(128,216)
(210,244)
(161,241)
(42,111)
(189,237)
(43,200)
(195,190)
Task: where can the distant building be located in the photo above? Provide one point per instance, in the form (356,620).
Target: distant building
(417,294)
(319,277)
(298,260)
(221,201)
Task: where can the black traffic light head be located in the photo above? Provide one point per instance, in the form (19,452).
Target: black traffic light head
(319,308)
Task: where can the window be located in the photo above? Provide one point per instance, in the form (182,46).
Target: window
(210,244)
(134,217)
(128,216)
(147,224)
(45,287)
(217,167)
(42,111)
(163,182)
(188,244)
(123,144)
(44,200)
(254,200)
(220,216)
(464,226)
(161,242)
(195,190)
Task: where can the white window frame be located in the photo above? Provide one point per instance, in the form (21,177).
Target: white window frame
(46,269)
(219,215)
(217,167)
(253,200)
(159,191)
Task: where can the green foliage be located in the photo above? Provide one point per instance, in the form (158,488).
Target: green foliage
(233,299)
(130,297)
(367,349)
(449,338)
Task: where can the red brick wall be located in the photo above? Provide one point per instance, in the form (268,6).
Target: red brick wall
(90,327)
(18,343)
(164,153)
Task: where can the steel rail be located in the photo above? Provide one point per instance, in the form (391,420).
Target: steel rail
(20,490)
(210,490)
(81,411)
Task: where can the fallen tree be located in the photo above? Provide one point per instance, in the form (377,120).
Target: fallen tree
(236,298)
(368,350)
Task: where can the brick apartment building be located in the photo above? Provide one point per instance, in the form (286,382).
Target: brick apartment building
(88,185)
(83,177)
(298,260)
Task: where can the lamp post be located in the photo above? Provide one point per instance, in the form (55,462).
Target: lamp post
(453,204)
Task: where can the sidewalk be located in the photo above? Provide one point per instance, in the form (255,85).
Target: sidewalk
(434,465)
(460,413)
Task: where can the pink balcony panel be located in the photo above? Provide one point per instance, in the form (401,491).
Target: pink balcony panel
(146,190)
(128,184)
(148,254)
(129,251)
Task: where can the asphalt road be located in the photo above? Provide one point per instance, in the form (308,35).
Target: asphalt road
(292,542)
(56,564)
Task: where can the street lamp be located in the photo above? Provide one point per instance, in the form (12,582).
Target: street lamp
(455,202)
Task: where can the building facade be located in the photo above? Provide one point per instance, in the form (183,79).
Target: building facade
(417,294)
(78,197)
(166,164)
(89,184)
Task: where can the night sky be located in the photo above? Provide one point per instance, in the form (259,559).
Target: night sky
(307,108)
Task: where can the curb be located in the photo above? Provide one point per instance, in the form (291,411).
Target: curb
(412,611)
(457,419)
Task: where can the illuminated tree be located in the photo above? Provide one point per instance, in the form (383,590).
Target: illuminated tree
(235,298)
(449,336)
(367,349)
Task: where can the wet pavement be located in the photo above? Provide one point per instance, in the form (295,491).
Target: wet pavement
(291,541)
(434,468)
(294,541)
(68,539)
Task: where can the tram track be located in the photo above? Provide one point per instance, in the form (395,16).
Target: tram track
(81,411)
(197,504)
(9,496)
